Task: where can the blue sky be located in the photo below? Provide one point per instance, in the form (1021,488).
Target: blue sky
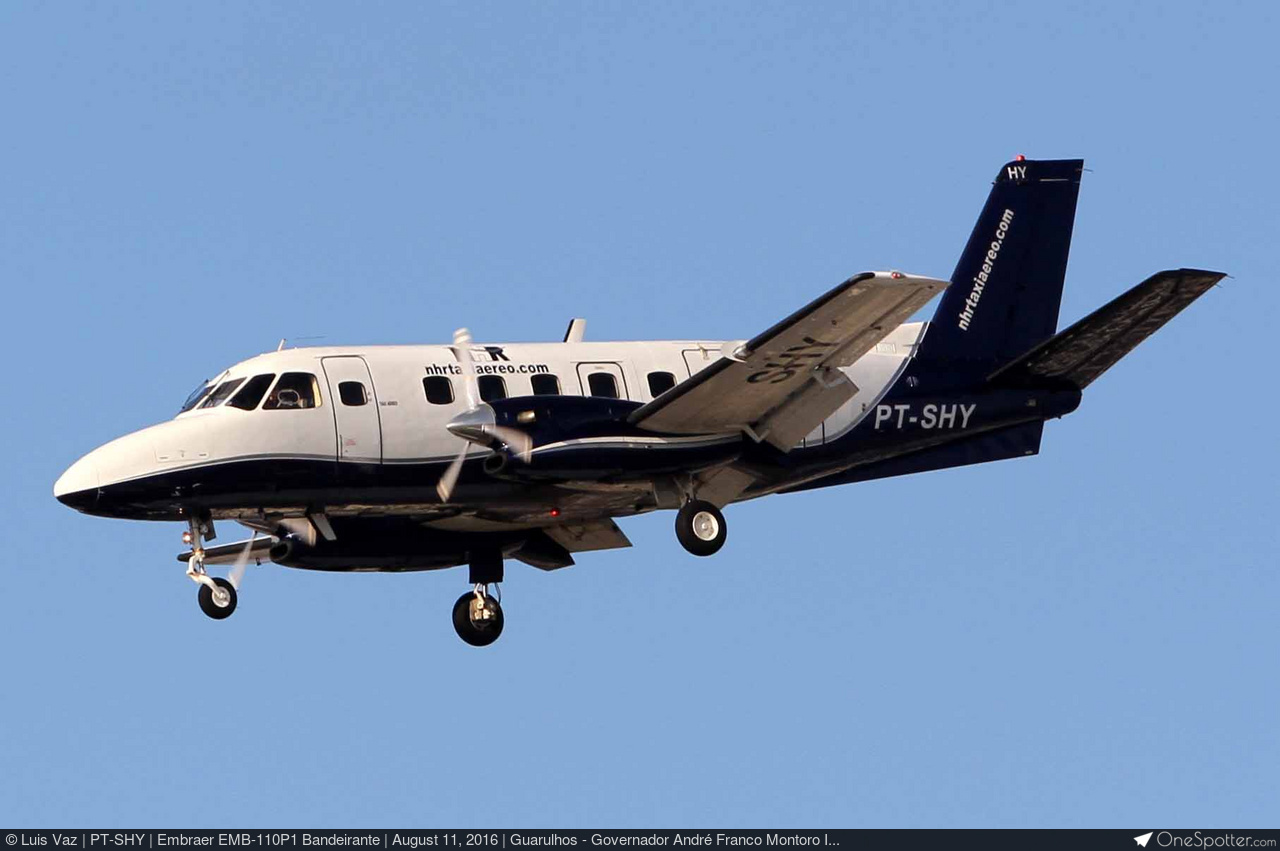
(1086,638)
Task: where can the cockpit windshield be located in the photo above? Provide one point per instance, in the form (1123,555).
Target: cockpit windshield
(295,390)
(196,395)
(224,391)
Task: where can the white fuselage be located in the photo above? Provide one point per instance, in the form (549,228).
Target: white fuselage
(397,424)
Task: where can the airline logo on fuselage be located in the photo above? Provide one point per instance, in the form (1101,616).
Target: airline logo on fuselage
(498,364)
(984,273)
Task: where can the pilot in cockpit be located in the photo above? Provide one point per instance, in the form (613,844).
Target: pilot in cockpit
(289,398)
(295,391)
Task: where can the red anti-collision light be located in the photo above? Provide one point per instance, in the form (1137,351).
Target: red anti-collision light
(1020,158)
(555,512)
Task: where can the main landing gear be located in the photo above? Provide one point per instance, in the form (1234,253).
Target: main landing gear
(700,527)
(477,616)
(217,596)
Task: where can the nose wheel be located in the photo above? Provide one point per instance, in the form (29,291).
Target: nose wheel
(477,617)
(700,527)
(217,596)
(219,601)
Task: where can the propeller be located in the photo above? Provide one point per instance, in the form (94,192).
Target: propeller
(236,574)
(477,424)
(444,487)
(461,349)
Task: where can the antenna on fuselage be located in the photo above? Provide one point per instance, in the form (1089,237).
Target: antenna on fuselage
(284,340)
(577,328)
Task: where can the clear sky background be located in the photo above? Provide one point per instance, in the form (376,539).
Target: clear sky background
(1086,638)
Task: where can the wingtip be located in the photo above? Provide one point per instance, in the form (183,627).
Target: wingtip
(1206,277)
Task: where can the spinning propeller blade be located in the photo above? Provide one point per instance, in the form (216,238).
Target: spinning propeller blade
(444,488)
(462,353)
(236,575)
(517,441)
(476,424)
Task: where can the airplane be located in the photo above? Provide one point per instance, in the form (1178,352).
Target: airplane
(403,458)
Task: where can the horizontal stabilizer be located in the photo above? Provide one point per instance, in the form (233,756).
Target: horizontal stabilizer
(1093,345)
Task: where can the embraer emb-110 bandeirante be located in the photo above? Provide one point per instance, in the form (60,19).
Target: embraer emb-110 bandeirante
(397,458)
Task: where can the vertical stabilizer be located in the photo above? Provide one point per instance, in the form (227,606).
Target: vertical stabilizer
(1007,286)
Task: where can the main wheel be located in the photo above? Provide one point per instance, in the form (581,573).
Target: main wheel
(477,632)
(221,604)
(700,528)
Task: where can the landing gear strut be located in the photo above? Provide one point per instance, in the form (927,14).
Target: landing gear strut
(477,616)
(700,527)
(217,596)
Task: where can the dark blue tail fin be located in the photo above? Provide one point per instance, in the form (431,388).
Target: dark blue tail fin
(1007,287)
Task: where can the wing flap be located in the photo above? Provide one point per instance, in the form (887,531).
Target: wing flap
(776,371)
(786,425)
(551,548)
(587,537)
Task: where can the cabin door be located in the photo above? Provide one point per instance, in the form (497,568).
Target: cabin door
(355,409)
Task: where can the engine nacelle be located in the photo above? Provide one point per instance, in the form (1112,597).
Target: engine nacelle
(385,544)
(589,436)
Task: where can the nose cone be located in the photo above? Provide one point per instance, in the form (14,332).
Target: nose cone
(78,486)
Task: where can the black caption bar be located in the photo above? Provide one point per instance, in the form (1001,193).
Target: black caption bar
(592,840)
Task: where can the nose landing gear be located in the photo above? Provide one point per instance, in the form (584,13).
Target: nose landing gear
(217,596)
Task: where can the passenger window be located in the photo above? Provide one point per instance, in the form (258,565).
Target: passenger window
(492,387)
(352,394)
(545,385)
(660,382)
(439,389)
(294,390)
(603,384)
(252,392)
(220,395)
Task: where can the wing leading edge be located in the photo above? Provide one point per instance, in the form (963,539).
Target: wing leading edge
(779,385)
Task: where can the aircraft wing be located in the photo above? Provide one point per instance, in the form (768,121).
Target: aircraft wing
(781,384)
